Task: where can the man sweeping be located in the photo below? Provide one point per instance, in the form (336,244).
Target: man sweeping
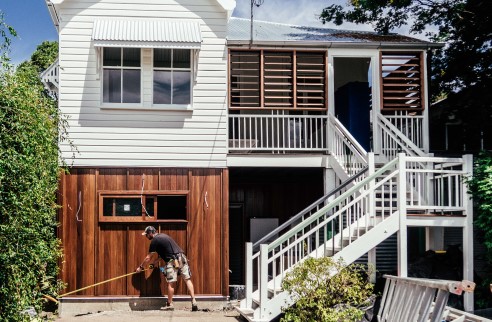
(176,263)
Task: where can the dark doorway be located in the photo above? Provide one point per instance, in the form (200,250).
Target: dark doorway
(262,194)
(236,244)
(353,96)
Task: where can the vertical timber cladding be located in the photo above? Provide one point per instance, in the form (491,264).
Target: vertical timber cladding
(96,251)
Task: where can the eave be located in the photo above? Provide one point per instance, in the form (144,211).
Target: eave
(333,44)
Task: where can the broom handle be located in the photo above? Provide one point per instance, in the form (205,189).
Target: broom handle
(106,281)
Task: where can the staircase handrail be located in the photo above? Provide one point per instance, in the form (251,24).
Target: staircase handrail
(335,202)
(414,149)
(361,152)
(345,149)
(309,208)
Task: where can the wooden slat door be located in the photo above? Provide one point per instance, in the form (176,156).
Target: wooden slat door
(206,235)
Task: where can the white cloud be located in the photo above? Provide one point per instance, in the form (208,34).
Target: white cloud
(294,12)
(301,12)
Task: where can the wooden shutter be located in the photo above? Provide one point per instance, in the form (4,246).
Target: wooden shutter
(310,80)
(278,79)
(402,80)
(244,79)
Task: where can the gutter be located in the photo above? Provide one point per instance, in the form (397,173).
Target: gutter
(334,44)
(53,13)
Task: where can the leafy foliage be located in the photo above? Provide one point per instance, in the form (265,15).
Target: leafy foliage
(29,169)
(5,32)
(325,296)
(44,55)
(481,188)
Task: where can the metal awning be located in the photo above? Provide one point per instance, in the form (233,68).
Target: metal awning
(147,33)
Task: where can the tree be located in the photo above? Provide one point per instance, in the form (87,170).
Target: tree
(464,25)
(480,186)
(44,55)
(29,172)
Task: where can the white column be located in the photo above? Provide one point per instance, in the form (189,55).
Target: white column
(434,238)
(371,216)
(468,232)
(329,180)
(402,206)
(248,303)
(425,123)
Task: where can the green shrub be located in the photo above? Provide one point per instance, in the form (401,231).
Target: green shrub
(325,296)
(480,186)
(29,172)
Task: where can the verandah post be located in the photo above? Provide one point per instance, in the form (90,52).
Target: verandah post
(467,231)
(371,216)
(263,281)
(402,209)
(249,275)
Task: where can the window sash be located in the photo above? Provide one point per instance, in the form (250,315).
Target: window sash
(137,206)
(172,76)
(122,75)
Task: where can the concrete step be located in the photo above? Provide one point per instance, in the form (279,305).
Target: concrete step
(246,313)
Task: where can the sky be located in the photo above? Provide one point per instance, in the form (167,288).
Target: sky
(32,21)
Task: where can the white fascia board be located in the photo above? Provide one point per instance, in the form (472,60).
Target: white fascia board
(291,161)
(50,4)
(228,6)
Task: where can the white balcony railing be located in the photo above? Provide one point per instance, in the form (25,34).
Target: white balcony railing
(411,126)
(50,78)
(277,133)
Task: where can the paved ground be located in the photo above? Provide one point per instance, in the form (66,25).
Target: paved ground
(156,315)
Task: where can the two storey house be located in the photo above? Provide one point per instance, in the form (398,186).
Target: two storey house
(253,144)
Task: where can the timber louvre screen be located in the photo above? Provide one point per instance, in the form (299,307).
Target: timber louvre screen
(277,80)
(402,81)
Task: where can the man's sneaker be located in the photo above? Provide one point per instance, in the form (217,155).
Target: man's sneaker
(169,307)
(194,306)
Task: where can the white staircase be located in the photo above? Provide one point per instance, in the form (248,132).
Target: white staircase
(368,210)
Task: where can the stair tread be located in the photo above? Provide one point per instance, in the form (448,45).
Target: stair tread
(435,215)
(245,311)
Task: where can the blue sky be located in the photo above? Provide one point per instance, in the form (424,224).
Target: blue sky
(32,21)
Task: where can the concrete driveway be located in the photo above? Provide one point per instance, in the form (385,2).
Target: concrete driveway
(156,315)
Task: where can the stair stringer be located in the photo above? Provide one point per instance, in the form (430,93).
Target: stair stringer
(370,239)
(348,254)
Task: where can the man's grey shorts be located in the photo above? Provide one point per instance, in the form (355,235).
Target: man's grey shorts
(171,272)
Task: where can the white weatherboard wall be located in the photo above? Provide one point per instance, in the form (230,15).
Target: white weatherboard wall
(144,135)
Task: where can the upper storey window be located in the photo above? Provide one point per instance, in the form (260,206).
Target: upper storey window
(172,76)
(121,75)
(145,62)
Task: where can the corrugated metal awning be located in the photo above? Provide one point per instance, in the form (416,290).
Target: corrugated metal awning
(147,33)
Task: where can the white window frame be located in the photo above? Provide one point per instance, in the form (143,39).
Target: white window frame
(191,69)
(121,68)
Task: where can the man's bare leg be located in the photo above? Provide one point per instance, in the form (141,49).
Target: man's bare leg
(191,289)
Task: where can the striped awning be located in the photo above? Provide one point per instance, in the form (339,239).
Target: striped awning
(147,33)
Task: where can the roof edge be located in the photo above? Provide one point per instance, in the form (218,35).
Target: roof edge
(50,4)
(336,44)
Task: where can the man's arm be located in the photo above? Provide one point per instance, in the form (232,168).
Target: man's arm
(149,259)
